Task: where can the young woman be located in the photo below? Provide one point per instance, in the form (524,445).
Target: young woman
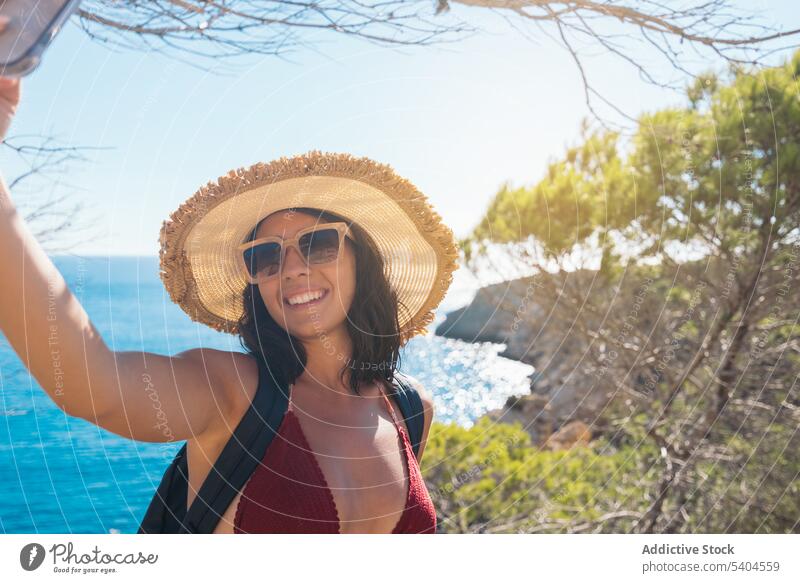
(324,265)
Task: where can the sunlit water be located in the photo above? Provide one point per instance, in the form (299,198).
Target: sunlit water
(62,474)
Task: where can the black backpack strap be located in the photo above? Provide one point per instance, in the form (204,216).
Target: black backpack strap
(238,460)
(410,404)
(169,503)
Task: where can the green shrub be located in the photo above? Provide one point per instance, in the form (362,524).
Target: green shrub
(489,478)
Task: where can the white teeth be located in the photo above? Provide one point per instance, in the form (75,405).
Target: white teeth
(302,299)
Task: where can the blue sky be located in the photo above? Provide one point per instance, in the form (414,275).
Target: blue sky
(457,120)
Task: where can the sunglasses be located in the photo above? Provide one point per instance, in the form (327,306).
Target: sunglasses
(262,259)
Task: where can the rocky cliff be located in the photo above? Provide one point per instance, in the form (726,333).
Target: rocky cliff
(516,313)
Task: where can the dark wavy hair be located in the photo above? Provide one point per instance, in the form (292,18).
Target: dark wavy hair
(372,320)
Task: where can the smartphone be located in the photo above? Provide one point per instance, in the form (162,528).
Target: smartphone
(32,25)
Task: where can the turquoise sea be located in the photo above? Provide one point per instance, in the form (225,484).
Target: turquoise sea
(64,475)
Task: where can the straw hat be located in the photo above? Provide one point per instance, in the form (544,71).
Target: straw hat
(199,264)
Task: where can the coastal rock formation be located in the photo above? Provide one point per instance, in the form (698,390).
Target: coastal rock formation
(516,313)
(573,433)
(499,313)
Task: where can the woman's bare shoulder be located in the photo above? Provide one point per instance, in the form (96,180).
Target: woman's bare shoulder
(424,395)
(237,374)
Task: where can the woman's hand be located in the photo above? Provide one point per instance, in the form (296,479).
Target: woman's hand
(9,94)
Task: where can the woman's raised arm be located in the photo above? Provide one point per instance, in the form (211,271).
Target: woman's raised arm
(143,396)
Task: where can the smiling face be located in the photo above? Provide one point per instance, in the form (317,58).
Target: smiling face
(335,279)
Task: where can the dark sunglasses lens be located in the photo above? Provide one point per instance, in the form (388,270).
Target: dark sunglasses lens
(320,246)
(263,260)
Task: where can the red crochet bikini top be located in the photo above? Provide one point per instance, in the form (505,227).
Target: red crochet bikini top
(287,492)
